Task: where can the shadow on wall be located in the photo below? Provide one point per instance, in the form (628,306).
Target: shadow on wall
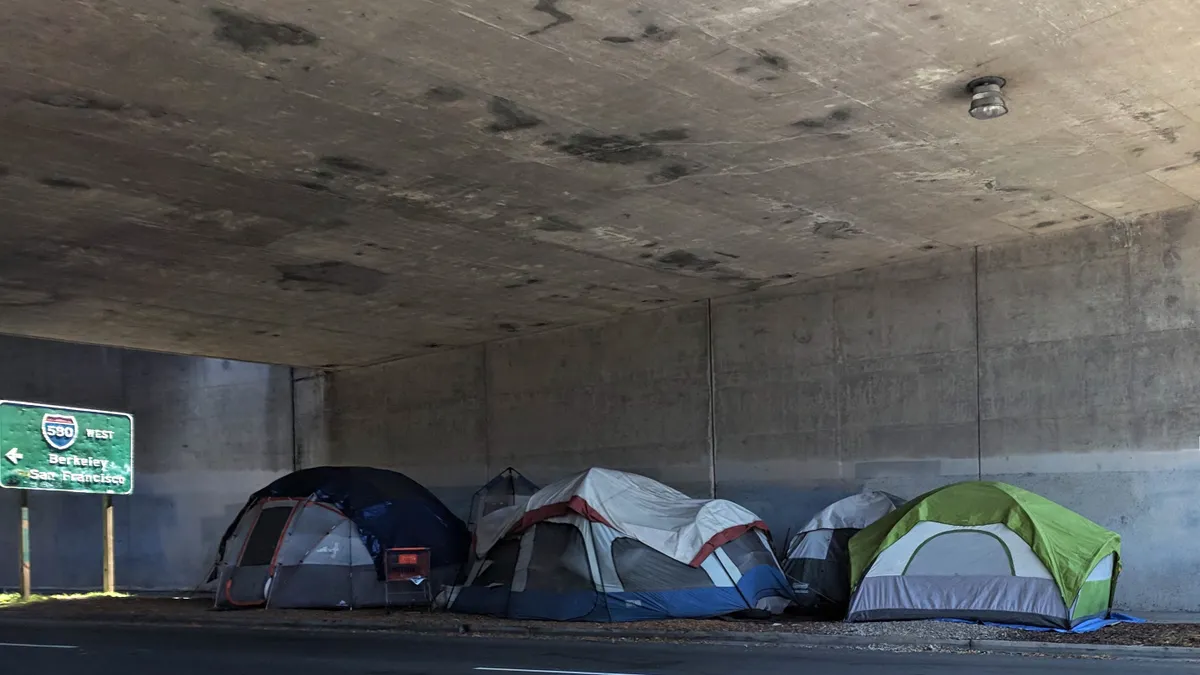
(784,508)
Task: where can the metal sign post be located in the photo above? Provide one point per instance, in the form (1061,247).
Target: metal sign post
(62,449)
(26,586)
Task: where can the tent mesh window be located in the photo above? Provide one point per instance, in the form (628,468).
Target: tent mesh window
(642,569)
(559,560)
(960,552)
(748,551)
(264,538)
(506,489)
(503,564)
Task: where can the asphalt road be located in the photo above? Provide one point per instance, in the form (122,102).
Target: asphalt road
(64,649)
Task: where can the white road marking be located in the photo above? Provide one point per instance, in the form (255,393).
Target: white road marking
(30,646)
(547,672)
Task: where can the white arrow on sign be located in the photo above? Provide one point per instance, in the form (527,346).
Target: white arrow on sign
(14,456)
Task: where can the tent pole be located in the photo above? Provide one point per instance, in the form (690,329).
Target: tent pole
(728,574)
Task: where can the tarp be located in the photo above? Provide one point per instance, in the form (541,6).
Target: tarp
(1068,544)
(1088,626)
(658,516)
(390,510)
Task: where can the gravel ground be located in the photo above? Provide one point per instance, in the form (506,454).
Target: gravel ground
(200,612)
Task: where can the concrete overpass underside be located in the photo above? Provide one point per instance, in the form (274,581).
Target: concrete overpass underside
(751,248)
(343,183)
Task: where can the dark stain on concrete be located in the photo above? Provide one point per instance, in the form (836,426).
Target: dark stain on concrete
(833,119)
(550,7)
(785,275)
(658,33)
(508,327)
(432,345)
(1137,152)
(1172,300)
(618,39)
(1174,222)
(927,247)
(836,229)
(332,275)
(445,94)
(353,165)
(254,34)
(685,260)
(646,255)
(727,255)
(935,17)
(64,183)
(4,171)
(1046,223)
(672,134)
(674,171)
(1171,258)
(557,224)
(1195,160)
(313,185)
(521,284)
(64,99)
(1168,134)
(771,60)
(614,149)
(993,185)
(509,116)
(1084,217)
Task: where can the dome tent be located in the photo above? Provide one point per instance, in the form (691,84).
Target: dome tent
(818,557)
(611,546)
(508,488)
(984,551)
(316,538)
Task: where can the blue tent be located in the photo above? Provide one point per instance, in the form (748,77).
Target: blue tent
(329,526)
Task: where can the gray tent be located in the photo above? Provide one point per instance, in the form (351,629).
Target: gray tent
(818,558)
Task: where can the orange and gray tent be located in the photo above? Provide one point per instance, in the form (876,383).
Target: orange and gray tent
(316,539)
(613,546)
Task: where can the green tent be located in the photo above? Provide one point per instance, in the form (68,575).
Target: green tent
(984,551)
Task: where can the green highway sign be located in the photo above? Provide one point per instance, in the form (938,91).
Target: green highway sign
(65,449)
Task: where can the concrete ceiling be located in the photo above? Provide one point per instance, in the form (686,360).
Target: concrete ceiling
(346,181)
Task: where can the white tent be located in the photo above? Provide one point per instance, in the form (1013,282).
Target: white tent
(612,546)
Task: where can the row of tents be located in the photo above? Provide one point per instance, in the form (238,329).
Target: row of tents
(613,546)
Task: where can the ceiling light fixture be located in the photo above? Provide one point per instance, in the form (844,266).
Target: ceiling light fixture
(986,101)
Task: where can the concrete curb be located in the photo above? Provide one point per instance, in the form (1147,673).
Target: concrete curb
(722,637)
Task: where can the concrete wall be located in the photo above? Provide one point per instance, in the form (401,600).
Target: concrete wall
(631,394)
(1066,364)
(208,433)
